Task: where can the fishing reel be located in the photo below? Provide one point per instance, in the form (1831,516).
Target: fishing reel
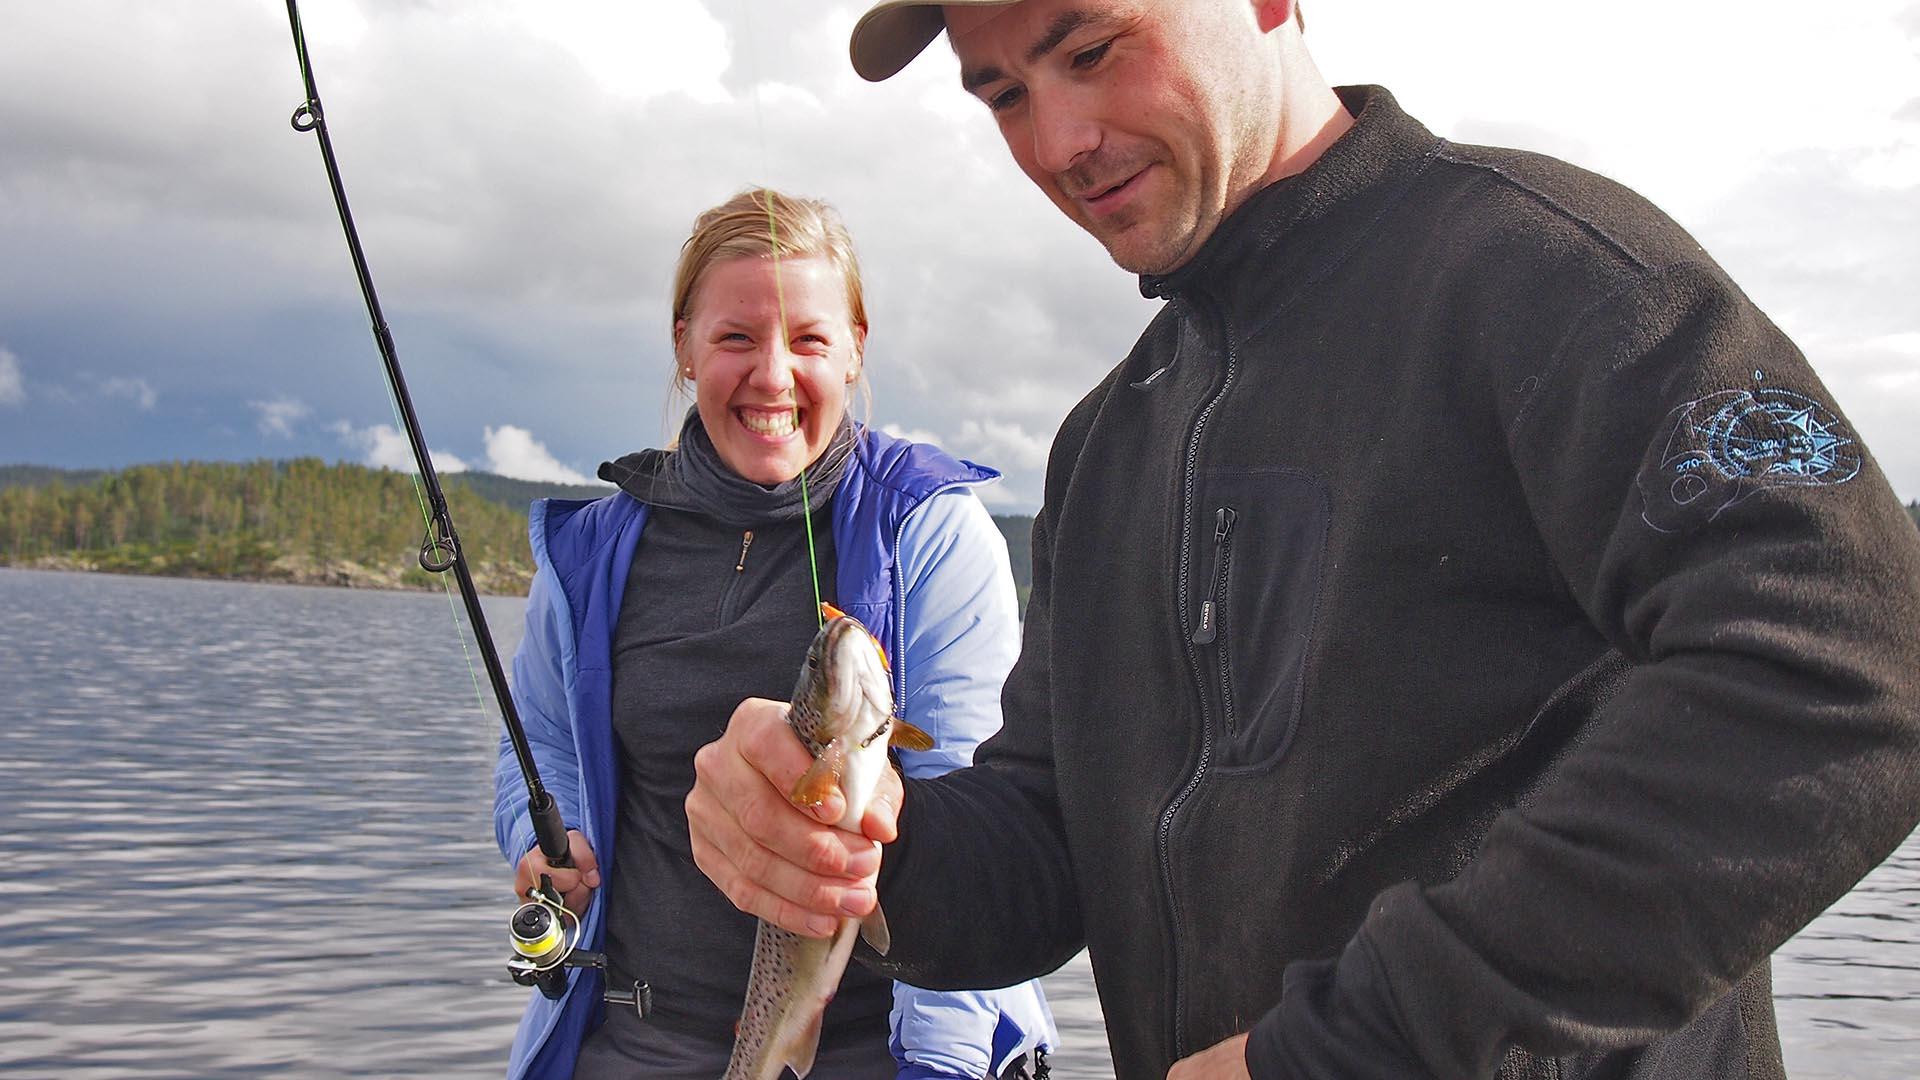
(545,937)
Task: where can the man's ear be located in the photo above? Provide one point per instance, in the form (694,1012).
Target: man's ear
(1272,14)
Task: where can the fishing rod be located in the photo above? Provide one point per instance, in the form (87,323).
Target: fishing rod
(542,945)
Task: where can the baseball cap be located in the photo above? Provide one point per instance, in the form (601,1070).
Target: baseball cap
(893,32)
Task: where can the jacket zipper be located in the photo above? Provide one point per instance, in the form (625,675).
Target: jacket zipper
(899,658)
(1193,659)
(746,541)
(1213,608)
(1209,627)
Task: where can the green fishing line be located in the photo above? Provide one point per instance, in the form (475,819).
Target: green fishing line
(806,501)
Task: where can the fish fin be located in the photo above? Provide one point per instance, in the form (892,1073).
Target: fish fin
(805,1046)
(830,613)
(907,737)
(873,930)
(822,776)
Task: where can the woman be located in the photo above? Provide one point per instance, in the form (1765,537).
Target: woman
(657,609)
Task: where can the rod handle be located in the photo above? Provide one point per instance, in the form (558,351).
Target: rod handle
(549,829)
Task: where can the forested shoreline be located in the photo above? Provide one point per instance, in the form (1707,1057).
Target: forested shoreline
(303,521)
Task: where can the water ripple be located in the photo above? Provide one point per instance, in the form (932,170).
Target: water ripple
(247,834)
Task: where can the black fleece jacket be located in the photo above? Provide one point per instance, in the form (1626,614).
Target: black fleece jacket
(1465,637)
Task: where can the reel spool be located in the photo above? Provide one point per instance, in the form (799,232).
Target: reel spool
(537,934)
(545,937)
(543,934)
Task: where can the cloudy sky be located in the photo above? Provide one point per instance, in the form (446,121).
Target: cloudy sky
(173,283)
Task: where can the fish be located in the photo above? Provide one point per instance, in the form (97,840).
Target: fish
(842,711)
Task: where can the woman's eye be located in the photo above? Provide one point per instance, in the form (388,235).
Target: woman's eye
(1086,58)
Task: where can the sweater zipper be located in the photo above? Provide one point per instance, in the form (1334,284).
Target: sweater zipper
(725,612)
(1213,608)
(1164,840)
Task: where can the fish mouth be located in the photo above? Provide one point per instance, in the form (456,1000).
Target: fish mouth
(856,677)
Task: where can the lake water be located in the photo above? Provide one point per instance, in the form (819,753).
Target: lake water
(245,832)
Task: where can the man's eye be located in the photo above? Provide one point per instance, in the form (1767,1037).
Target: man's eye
(1086,58)
(1005,99)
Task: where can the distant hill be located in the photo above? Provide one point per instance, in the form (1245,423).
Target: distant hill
(493,487)
(301,521)
(516,494)
(42,475)
(1018,529)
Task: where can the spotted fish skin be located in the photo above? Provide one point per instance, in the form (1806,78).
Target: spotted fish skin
(794,977)
(843,712)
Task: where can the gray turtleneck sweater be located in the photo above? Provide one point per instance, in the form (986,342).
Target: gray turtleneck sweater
(714,611)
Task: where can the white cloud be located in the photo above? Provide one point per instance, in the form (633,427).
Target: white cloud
(13,385)
(997,496)
(636,51)
(277,417)
(1004,445)
(136,390)
(513,451)
(524,171)
(384,447)
(1018,454)
(919,435)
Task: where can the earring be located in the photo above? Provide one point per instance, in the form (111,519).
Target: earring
(687,371)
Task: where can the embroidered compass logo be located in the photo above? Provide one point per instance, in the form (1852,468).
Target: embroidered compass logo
(1725,447)
(1780,436)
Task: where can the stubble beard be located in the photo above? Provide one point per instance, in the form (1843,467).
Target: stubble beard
(1166,250)
(1142,238)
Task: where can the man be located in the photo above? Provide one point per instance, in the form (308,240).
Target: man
(1465,640)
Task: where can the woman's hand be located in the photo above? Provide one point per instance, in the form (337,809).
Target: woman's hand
(575,883)
(774,860)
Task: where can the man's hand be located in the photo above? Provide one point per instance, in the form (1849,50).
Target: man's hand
(773,859)
(575,883)
(1222,1061)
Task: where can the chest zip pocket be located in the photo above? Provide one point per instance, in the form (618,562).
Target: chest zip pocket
(1208,629)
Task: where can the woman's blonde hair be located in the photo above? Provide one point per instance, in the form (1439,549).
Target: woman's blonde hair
(757,223)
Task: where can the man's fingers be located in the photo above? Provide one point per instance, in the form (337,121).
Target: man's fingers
(739,798)
(881,823)
(767,744)
(765,838)
(757,900)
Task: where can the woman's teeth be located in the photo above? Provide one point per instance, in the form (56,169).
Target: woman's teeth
(776,424)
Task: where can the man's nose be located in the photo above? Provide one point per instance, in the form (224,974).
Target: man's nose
(1063,133)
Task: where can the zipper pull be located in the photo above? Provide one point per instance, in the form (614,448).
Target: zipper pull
(1209,627)
(746,541)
